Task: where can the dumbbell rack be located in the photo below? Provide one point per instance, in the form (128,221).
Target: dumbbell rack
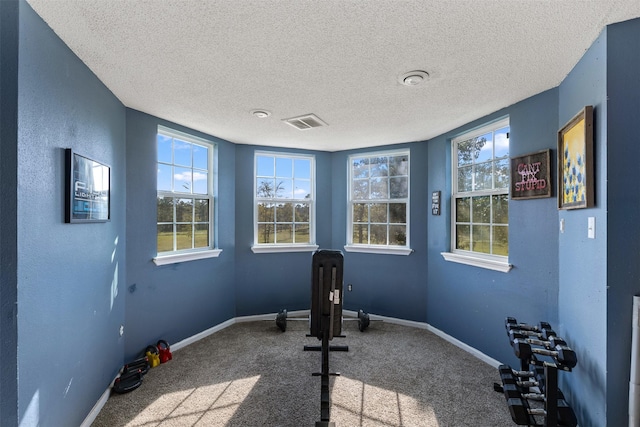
(548,386)
(551,395)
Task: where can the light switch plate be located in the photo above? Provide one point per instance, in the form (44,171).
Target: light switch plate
(591,227)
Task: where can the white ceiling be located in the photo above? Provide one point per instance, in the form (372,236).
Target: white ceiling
(207,64)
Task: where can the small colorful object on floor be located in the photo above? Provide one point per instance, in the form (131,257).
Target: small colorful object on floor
(153,355)
(164,351)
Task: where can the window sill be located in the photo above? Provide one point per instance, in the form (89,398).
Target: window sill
(190,256)
(476,261)
(386,250)
(266,249)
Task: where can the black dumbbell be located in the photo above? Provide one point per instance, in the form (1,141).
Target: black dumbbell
(561,353)
(544,334)
(541,333)
(514,391)
(363,320)
(506,371)
(522,385)
(550,342)
(512,323)
(521,413)
(514,386)
(281,320)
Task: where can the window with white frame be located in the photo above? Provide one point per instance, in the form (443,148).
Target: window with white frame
(284,201)
(480,193)
(378,202)
(185,194)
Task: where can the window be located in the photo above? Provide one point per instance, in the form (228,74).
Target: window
(185,198)
(378,209)
(480,197)
(284,202)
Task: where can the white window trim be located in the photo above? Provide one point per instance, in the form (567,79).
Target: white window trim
(187,256)
(488,261)
(265,248)
(377,249)
(260,248)
(212,251)
(477,261)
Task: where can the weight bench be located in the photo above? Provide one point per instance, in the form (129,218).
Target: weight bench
(325,321)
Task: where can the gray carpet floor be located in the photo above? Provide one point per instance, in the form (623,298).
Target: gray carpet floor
(252,374)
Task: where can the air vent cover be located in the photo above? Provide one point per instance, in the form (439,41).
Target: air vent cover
(305,122)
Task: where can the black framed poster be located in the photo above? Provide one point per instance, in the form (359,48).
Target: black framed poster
(435,203)
(531,176)
(87,189)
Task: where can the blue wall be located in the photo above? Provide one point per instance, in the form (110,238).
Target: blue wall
(388,285)
(582,262)
(9,21)
(70,276)
(268,282)
(176,301)
(623,208)
(75,284)
(480,299)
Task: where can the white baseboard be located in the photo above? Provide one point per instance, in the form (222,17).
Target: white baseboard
(93,414)
(272,316)
(300,313)
(197,337)
(422,325)
(471,350)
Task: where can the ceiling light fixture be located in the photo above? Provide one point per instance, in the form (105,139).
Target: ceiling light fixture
(261,114)
(413,78)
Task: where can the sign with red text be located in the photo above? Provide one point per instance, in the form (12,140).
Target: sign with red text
(531,176)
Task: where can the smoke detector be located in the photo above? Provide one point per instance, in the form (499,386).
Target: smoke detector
(413,78)
(261,114)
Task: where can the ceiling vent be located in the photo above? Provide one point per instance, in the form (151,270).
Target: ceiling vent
(305,122)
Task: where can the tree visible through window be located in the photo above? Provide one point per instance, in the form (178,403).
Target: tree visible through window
(379,199)
(284,200)
(481,191)
(185,193)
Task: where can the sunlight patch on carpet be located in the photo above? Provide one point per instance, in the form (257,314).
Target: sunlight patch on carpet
(207,405)
(357,403)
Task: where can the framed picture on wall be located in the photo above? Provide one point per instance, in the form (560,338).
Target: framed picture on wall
(531,176)
(87,189)
(575,162)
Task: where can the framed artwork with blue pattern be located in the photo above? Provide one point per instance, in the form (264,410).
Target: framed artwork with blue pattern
(575,162)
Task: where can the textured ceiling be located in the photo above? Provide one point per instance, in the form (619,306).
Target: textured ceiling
(207,64)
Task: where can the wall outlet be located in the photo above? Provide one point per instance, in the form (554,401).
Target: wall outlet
(349,287)
(121,330)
